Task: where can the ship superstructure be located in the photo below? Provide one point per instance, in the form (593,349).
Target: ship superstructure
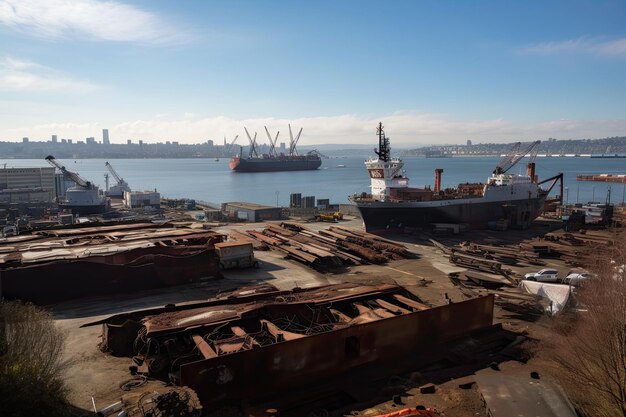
(274,161)
(392,205)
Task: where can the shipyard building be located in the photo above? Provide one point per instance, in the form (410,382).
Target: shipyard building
(27,185)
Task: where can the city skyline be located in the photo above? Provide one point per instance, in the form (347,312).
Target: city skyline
(432,72)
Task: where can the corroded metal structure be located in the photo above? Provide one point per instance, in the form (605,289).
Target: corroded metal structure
(251,344)
(59,264)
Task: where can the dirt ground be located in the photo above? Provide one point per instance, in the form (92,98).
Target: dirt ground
(93,376)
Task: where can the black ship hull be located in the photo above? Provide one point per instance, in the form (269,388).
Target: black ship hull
(274,165)
(380,216)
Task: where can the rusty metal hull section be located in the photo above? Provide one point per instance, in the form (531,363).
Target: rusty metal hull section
(253,343)
(61,264)
(262,371)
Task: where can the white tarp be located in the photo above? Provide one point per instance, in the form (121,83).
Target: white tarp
(557,294)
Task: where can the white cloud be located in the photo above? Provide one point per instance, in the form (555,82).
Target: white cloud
(404,129)
(91,19)
(27,76)
(593,46)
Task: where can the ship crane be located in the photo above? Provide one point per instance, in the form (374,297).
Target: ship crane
(69,174)
(252,143)
(272,142)
(230,145)
(293,142)
(514,156)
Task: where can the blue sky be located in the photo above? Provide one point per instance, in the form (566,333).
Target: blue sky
(432,71)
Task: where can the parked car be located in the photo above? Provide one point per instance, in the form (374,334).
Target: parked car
(576,278)
(545,275)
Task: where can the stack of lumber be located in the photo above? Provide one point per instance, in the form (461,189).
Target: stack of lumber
(327,249)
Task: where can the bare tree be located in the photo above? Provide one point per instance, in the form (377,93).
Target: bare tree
(590,352)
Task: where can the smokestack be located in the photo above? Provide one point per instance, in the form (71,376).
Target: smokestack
(438,173)
(530,171)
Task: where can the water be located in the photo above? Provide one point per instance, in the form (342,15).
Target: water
(210,180)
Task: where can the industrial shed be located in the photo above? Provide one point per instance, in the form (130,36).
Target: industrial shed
(250,212)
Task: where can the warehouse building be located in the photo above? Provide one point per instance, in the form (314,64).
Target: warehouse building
(27,185)
(250,212)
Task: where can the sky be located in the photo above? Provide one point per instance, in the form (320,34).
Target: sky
(433,72)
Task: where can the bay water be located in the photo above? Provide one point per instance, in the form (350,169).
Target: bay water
(211,180)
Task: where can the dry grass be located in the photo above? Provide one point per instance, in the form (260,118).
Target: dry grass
(30,362)
(589,352)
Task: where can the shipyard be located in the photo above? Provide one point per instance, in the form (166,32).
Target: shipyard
(313,307)
(312,209)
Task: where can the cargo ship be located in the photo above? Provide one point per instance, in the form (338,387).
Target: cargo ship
(275,161)
(513,200)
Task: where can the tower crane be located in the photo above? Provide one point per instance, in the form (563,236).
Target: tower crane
(293,142)
(73,176)
(118,189)
(514,156)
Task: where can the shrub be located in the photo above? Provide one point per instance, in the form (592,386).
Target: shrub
(30,362)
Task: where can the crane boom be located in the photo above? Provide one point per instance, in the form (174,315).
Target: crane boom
(517,157)
(272,141)
(68,174)
(293,142)
(119,179)
(252,143)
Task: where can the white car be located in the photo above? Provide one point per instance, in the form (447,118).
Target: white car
(577,278)
(545,275)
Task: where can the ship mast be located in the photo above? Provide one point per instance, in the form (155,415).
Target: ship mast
(384,150)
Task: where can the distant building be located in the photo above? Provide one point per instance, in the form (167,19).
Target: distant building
(105,137)
(167,142)
(91,141)
(469,142)
(69,141)
(129,142)
(140,142)
(283,148)
(210,143)
(139,199)
(24,140)
(54,138)
(63,140)
(175,143)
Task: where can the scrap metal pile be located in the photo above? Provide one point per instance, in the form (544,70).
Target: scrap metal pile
(327,249)
(58,264)
(259,341)
(575,248)
(507,295)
